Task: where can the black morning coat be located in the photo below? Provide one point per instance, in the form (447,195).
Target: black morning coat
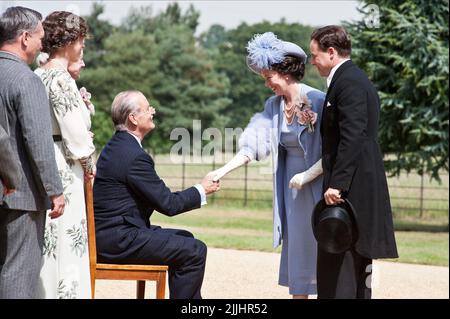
(127,190)
(352,160)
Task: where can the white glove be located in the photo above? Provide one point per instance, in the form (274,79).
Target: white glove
(300,179)
(234,163)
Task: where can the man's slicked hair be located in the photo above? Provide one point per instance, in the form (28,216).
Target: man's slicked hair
(16,20)
(123,105)
(333,36)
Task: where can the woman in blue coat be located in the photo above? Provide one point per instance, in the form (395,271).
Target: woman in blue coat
(288,129)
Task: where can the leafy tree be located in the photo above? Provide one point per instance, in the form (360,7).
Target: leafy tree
(406,57)
(130,62)
(99,30)
(163,60)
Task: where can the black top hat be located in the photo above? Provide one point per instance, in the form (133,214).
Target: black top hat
(334,226)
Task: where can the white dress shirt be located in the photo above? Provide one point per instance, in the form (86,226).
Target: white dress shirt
(199,187)
(333,70)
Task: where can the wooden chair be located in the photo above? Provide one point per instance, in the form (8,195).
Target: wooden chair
(141,273)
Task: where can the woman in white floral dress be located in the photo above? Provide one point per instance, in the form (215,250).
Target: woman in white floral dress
(65,271)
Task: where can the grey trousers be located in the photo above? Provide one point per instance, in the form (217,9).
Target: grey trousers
(21,240)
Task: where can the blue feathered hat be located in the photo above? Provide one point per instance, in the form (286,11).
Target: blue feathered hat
(266,49)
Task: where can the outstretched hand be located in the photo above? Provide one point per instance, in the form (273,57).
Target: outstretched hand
(209,184)
(217,174)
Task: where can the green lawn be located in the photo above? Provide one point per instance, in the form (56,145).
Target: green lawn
(240,217)
(251,187)
(251,229)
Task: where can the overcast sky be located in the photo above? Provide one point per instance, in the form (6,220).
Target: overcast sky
(227,13)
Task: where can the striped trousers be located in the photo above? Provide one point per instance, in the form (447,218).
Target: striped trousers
(21,240)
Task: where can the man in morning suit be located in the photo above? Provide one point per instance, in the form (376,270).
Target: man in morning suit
(25,115)
(127,190)
(353,167)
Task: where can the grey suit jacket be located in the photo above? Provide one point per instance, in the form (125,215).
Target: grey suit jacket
(24,109)
(9,167)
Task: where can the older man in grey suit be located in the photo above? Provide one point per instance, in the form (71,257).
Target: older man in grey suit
(24,110)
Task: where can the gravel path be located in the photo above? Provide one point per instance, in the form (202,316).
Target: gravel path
(240,274)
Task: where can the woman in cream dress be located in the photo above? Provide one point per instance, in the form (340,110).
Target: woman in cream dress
(65,271)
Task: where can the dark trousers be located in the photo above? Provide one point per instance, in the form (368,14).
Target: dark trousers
(343,276)
(185,256)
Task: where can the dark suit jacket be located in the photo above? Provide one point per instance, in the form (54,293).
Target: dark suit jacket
(352,159)
(127,190)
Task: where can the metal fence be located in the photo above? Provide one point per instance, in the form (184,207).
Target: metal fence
(413,198)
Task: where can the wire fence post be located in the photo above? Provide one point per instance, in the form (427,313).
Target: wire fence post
(421,193)
(213,168)
(245,185)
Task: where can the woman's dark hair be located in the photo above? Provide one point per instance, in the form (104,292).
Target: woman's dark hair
(291,65)
(333,36)
(62,28)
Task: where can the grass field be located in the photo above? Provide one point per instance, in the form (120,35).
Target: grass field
(251,187)
(251,229)
(240,215)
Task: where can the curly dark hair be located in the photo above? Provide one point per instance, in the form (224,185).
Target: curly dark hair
(291,65)
(62,28)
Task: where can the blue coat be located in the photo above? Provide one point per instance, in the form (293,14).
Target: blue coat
(261,138)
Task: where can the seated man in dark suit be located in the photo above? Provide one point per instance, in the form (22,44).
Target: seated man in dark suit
(127,190)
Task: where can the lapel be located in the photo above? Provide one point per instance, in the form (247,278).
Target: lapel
(346,65)
(337,74)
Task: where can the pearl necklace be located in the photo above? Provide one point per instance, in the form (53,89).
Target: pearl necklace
(289,110)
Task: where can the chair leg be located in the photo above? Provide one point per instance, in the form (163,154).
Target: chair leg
(140,289)
(93,288)
(161,286)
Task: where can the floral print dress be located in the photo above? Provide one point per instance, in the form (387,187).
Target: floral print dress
(65,269)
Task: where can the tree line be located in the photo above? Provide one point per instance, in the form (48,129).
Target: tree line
(188,77)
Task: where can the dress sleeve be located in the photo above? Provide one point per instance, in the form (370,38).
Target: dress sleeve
(66,104)
(255,141)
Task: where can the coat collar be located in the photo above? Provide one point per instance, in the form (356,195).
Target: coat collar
(127,136)
(338,73)
(11,56)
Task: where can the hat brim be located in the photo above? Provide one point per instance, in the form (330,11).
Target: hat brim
(334,227)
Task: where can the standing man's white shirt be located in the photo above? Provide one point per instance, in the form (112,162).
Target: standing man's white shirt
(333,70)
(199,187)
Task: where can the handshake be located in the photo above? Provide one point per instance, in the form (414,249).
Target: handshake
(209,184)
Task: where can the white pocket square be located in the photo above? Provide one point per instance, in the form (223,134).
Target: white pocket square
(328,104)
